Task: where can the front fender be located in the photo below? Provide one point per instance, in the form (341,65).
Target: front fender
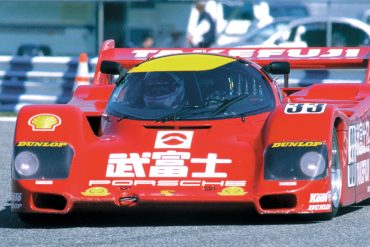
(283,126)
(66,123)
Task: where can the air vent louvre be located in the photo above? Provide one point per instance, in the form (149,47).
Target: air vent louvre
(190,127)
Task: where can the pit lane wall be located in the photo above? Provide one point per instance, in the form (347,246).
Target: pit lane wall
(37,80)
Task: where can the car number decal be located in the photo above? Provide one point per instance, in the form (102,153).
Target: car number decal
(304,108)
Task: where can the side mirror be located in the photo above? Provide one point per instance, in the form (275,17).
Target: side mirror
(110,68)
(277,68)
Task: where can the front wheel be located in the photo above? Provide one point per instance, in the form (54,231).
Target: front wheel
(335,179)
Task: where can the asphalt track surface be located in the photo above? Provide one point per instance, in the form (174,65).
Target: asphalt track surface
(173,228)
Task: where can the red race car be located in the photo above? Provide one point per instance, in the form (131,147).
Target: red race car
(184,126)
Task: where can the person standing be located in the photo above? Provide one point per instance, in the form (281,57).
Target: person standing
(147,41)
(204,34)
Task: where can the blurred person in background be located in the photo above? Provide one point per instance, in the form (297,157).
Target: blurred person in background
(148,41)
(204,34)
(262,17)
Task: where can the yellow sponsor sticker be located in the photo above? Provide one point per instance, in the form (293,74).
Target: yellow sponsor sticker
(167,192)
(232,191)
(42,144)
(44,122)
(96,191)
(295,144)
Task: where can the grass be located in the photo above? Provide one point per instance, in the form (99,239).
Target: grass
(8,114)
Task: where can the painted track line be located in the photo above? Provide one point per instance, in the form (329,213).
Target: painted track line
(8,119)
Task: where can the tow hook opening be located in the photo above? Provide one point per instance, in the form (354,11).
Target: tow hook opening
(128,201)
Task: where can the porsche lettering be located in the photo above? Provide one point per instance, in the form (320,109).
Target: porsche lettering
(170,183)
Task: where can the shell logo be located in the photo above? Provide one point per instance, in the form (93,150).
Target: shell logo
(44,122)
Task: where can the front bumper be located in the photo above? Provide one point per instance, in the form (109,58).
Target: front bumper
(269,197)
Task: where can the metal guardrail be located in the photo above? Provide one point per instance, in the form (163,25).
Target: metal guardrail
(37,80)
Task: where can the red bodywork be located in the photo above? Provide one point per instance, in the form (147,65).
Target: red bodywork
(223,158)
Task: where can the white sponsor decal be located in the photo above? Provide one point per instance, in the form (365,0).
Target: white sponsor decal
(318,207)
(16,199)
(304,108)
(358,145)
(166,164)
(173,139)
(288,183)
(320,197)
(170,183)
(15,205)
(44,182)
(257,53)
(363,172)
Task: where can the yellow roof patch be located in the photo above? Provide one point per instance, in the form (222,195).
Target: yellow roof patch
(188,62)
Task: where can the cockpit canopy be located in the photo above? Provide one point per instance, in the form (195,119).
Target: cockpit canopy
(191,87)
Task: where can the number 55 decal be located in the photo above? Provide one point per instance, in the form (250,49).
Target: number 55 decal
(304,108)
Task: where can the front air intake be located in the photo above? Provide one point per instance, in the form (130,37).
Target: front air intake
(269,202)
(186,127)
(49,201)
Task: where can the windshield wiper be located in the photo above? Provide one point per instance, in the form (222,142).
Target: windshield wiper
(181,112)
(124,116)
(227,103)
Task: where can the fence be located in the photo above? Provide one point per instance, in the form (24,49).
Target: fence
(37,80)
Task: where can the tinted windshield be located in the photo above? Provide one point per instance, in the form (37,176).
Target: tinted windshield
(234,89)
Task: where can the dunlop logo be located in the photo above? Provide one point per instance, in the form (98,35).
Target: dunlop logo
(42,144)
(295,144)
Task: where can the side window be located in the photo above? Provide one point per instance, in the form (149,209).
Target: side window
(314,34)
(346,35)
(293,33)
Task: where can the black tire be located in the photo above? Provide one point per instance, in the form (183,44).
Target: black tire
(335,180)
(37,219)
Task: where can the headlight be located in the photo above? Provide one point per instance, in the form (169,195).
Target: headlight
(312,164)
(296,160)
(26,163)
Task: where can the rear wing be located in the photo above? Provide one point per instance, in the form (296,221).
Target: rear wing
(299,58)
